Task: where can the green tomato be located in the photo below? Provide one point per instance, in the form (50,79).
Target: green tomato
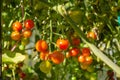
(73,78)
(25,41)
(93,76)
(21,47)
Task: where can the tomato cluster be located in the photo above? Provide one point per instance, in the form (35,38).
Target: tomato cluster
(21,32)
(62,45)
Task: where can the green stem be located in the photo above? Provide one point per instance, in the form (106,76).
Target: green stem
(13,73)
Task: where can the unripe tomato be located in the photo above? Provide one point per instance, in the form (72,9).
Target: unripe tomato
(44,55)
(45,66)
(75,41)
(81,59)
(41,46)
(27,33)
(29,24)
(88,60)
(74,51)
(21,47)
(63,44)
(15,35)
(57,57)
(84,66)
(17,26)
(25,41)
(92,35)
(67,55)
(85,51)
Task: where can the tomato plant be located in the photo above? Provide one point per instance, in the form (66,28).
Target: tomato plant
(71,39)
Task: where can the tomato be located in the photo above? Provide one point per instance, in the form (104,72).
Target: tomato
(44,55)
(17,26)
(84,66)
(21,47)
(27,33)
(29,24)
(45,66)
(75,41)
(90,68)
(85,51)
(88,60)
(22,75)
(81,59)
(93,76)
(24,41)
(41,45)
(57,57)
(92,35)
(110,73)
(67,55)
(15,35)
(63,44)
(74,51)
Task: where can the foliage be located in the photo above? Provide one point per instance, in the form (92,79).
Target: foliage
(65,20)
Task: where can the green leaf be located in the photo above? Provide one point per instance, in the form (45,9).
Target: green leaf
(14,60)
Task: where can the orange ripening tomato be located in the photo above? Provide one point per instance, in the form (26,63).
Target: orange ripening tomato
(29,24)
(41,45)
(92,35)
(15,35)
(27,33)
(63,44)
(44,55)
(81,59)
(17,26)
(75,41)
(74,51)
(85,51)
(57,57)
(88,60)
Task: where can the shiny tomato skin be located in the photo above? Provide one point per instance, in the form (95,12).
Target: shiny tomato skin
(88,60)
(74,51)
(44,55)
(92,35)
(29,24)
(86,51)
(81,58)
(63,44)
(17,26)
(27,33)
(57,57)
(75,41)
(41,45)
(15,35)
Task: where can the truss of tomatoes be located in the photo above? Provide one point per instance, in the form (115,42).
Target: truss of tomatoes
(21,32)
(57,56)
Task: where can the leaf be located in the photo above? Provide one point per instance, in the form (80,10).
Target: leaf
(14,60)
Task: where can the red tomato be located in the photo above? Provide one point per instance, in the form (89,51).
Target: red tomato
(17,26)
(57,57)
(92,35)
(88,60)
(74,51)
(41,46)
(15,35)
(22,75)
(27,33)
(75,41)
(63,44)
(81,59)
(29,24)
(86,51)
(110,73)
